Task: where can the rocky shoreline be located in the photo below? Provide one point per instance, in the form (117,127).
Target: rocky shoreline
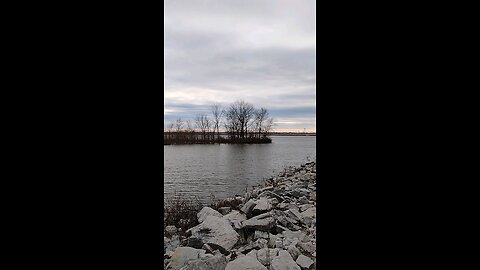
(274,228)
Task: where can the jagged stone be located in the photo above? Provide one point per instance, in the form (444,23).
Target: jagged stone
(309,213)
(207,211)
(253,254)
(283,262)
(224,210)
(248,207)
(182,256)
(306,247)
(303,200)
(245,263)
(170,244)
(265,255)
(305,207)
(294,234)
(294,214)
(304,262)
(294,252)
(299,192)
(210,262)
(235,218)
(263,222)
(260,234)
(263,205)
(217,232)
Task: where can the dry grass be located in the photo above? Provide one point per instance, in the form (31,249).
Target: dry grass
(181,211)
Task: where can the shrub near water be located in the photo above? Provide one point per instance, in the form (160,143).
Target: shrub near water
(181,212)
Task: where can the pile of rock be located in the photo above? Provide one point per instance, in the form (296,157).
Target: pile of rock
(274,229)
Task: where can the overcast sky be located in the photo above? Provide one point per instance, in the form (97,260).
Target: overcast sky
(263,52)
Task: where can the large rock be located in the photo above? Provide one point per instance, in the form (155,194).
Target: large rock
(294,252)
(245,263)
(294,234)
(306,247)
(216,232)
(248,207)
(183,255)
(263,205)
(263,222)
(265,255)
(283,262)
(299,192)
(170,244)
(205,212)
(217,262)
(304,262)
(309,215)
(235,218)
(294,214)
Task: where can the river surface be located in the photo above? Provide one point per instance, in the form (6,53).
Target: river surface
(225,170)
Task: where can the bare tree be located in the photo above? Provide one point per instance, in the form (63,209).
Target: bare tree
(217,113)
(202,122)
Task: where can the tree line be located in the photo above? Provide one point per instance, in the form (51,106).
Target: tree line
(241,122)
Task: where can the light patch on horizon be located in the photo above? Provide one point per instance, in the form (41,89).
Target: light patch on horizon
(262,52)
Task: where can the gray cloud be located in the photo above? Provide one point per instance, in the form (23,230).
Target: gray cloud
(260,51)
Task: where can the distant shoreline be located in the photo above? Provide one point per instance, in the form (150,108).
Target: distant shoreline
(293,134)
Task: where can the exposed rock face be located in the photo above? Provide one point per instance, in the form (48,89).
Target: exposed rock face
(217,232)
(245,263)
(274,229)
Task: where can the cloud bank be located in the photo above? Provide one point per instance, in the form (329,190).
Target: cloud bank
(263,52)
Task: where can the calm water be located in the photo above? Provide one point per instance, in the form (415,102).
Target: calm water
(226,170)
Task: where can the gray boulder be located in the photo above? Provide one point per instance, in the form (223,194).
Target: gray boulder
(235,218)
(263,222)
(304,262)
(263,205)
(284,262)
(265,255)
(294,252)
(248,207)
(216,232)
(183,255)
(245,263)
(217,262)
(306,247)
(205,212)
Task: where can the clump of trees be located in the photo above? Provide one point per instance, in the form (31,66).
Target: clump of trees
(240,122)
